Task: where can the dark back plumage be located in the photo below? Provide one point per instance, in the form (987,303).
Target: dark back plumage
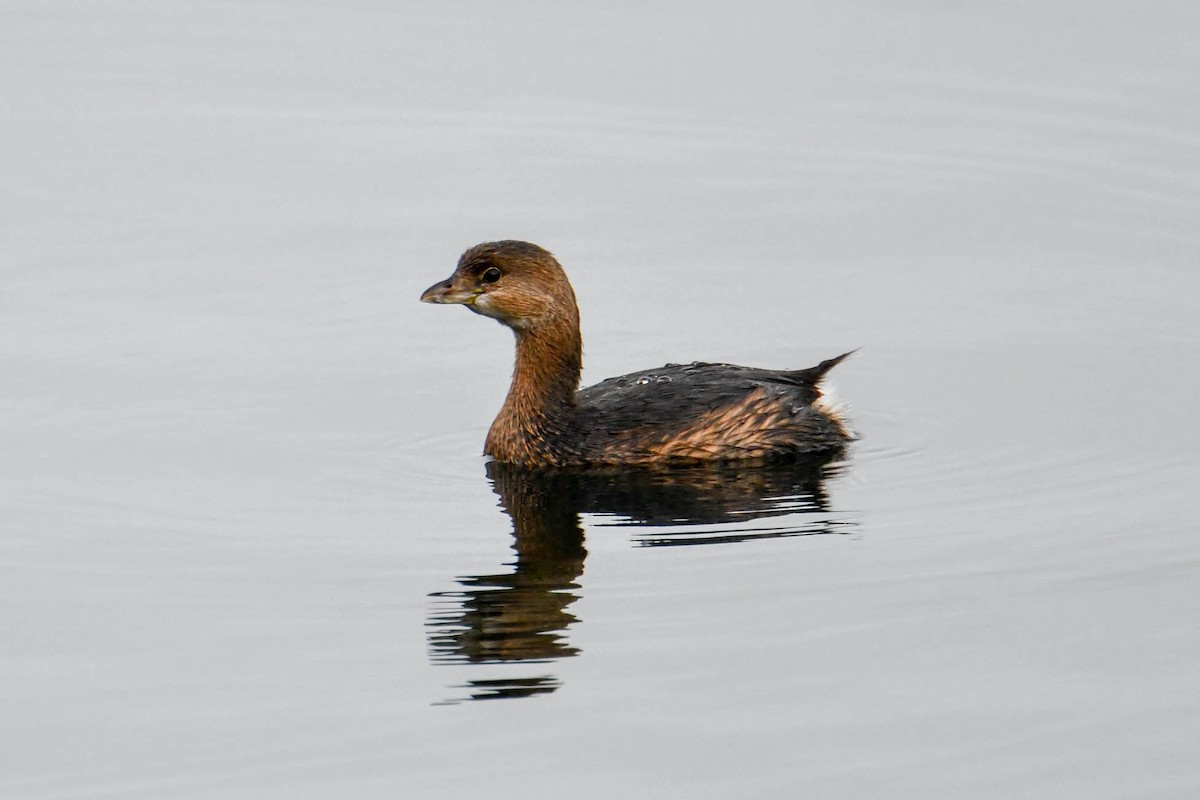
(709,411)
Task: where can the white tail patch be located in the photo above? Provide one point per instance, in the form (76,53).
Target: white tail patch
(834,407)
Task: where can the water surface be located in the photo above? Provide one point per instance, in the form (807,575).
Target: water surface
(249,548)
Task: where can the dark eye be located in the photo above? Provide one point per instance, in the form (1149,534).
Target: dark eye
(490,275)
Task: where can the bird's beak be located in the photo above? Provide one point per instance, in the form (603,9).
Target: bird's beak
(448,291)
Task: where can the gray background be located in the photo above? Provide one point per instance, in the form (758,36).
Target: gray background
(239,457)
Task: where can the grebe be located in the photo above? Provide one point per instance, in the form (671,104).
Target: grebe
(686,413)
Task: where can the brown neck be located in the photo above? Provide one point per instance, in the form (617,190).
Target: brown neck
(535,422)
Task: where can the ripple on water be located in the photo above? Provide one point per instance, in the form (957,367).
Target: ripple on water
(428,459)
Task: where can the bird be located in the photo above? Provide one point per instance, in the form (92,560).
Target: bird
(676,414)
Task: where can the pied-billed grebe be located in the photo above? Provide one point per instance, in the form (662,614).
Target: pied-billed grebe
(677,413)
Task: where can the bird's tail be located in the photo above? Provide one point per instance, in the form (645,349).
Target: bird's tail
(814,375)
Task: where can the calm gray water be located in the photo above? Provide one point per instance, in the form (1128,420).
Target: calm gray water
(249,548)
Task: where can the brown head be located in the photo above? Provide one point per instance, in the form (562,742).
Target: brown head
(523,287)
(517,283)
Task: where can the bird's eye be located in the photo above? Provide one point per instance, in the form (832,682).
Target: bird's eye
(490,275)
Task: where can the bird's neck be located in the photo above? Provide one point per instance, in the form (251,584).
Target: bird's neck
(534,425)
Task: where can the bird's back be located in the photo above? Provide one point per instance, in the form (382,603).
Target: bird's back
(708,412)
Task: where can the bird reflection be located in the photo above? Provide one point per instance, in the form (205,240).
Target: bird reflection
(522,615)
